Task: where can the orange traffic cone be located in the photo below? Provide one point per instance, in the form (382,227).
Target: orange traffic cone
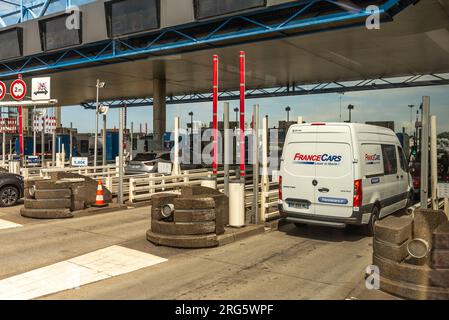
(99,201)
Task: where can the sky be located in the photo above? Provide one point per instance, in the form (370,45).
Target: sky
(375,105)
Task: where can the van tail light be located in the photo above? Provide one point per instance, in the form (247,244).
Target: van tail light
(358,193)
(280,188)
(318,124)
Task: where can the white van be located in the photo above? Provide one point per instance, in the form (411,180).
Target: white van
(335,174)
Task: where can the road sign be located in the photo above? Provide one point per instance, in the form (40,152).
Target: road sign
(443,190)
(40,88)
(80,162)
(2,90)
(18,89)
(50,124)
(33,161)
(8,125)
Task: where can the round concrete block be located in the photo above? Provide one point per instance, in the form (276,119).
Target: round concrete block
(412,291)
(194,215)
(194,228)
(390,251)
(393,229)
(46,213)
(413,274)
(198,191)
(194,203)
(183,241)
(440,258)
(50,185)
(441,237)
(47,204)
(158,200)
(53,194)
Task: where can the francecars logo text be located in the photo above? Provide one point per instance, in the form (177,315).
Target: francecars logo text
(317,158)
(372,157)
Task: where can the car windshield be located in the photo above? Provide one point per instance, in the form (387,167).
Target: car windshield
(145,157)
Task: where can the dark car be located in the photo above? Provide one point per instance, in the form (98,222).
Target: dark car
(11,189)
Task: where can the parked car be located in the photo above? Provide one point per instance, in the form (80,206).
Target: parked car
(11,189)
(143,163)
(335,174)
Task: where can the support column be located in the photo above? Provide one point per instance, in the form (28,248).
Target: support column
(425,152)
(58,117)
(159,111)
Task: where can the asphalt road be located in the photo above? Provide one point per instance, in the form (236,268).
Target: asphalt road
(292,263)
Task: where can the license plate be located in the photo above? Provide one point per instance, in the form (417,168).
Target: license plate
(299,205)
(135,167)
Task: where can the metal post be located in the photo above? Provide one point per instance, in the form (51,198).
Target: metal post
(242,115)
(96,124)
(34,132)
(265,181)
(433,162)
(53,147)
(132,142)
(176,169)
(120,161)
(425,152)
(4,146)
(43,142)
(104,140)
(71,144)
(227,151)
(255,206)
(215,115)
(21,132)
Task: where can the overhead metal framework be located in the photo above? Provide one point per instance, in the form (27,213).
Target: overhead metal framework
(294,90)
(285,21)
(18,11)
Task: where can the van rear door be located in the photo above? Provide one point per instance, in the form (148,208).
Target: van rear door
(298,173)
(334,172)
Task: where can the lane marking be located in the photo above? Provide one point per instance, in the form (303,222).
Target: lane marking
(4,224)
(76,272)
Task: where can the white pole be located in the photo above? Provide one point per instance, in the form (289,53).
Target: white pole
(255,205)
(132,142)
(4,146)
(227,149)
(96,126)
(433,162)
(425,152)
(301,120)
(120,160)
(265,178)
(104,141)
(34,133)
(176,167)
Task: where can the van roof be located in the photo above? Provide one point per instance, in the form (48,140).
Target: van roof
(355,127)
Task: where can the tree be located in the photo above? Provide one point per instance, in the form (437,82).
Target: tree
(444,135)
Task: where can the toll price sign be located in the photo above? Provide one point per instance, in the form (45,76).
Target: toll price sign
(2,90)
(18,89)
(33,161)
(80,162)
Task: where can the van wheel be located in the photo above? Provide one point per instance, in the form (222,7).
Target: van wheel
(369,228)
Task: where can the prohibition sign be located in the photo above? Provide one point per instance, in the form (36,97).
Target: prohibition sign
(2,90)
(18,89)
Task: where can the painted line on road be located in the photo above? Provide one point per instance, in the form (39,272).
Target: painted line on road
(73,273)
(4,224)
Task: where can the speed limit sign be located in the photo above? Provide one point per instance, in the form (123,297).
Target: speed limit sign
(2,90)
(18,89)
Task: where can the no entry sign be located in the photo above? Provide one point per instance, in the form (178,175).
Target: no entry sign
(18,89)
(2,90)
